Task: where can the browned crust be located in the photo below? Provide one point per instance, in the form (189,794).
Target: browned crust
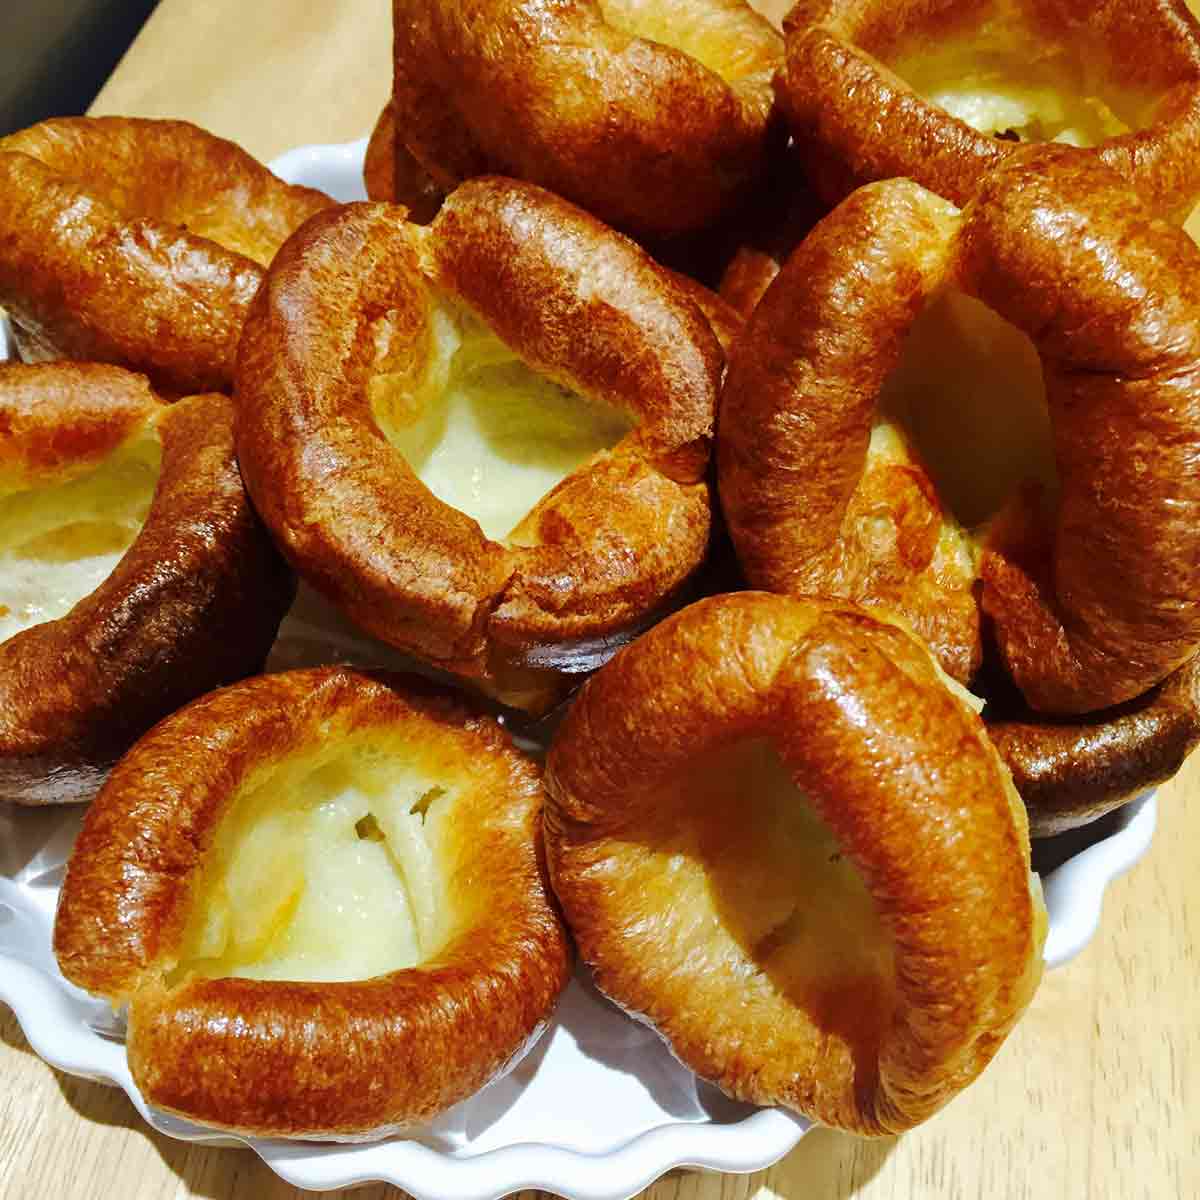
(587,307)
(273,1058)
(193,604)
(634,130)
(746,278)
(1063,249)
(1109,293)
(1072,771)
(138,242)
(581,304)
(856,121)
(61,419)
(921,806)
(724,318)
(797,407)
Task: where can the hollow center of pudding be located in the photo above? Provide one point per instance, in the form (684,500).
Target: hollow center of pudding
(1005,79)
(323,868)
(484,432)
(969,397)
(59,542)
(736,838)
(730,43)
(241,236)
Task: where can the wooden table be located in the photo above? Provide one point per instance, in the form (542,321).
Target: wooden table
(1095,1096)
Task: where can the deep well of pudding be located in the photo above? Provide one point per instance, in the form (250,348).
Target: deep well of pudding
(324,868)
(968,395)
(1002,77)
(60,541)
(709,42)
(486,434)
(756,887)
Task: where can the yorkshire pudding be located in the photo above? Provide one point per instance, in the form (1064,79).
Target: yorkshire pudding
(139,243)
(1071,771)
(485,440)
(781,840)
(134,574)
(321,896)
(1072,278)
(651,114)
(940,91)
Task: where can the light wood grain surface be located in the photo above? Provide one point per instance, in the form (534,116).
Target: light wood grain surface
(1096,1094)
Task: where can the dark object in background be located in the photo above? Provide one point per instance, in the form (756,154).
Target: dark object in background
(56,54)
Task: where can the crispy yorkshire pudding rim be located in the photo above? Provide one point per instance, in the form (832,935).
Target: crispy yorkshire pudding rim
(484,94)
(1101,287)
(113,308)
(138,242)
(62,419)
(176,173)
(316,463)
(829,51)
(425,578)
(304,1059)
(586,307)
(823,339)
(753,53)
(1071,771)
(1109,295)
(812,678)
(77,691)
(802,394)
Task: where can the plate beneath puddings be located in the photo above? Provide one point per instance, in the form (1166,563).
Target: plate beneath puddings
(597,1111)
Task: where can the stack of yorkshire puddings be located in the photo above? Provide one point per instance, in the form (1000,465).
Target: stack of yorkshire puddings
(902,292)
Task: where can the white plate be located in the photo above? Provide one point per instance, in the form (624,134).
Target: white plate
(599,1109)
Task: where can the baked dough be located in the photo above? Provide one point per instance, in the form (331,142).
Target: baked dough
(780,840)
(134,574)
(651,114)
(139,243)
(941,91)
(1074,770)
(392,380)
(320,894)
(1093,603)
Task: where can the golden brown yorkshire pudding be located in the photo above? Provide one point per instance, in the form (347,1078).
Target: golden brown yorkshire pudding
(139,243)
(940,90)
(321,896)
(652,114)
(783,842)
(391,173)
(134,575)
(485,440)
(1073,770)
(1072,279)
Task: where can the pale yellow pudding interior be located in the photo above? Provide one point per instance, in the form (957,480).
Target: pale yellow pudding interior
(1002,80)
(715,41)
(969,396)
(59,542)
(753,879)
(325,868)
(483,432)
